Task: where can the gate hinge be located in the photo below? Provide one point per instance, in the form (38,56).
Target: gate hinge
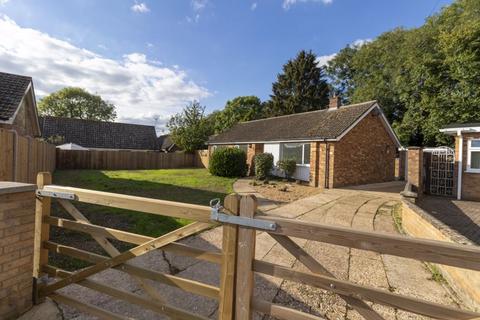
(218,216)
(59,195)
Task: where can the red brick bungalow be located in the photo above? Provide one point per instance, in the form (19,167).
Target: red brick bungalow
(334,147)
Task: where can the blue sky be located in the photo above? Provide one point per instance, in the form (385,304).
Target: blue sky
(150,57)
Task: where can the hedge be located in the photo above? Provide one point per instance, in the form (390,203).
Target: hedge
(228,162)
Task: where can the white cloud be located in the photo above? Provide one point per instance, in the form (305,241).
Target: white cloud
(253,6)
(138,87)
(140,7)
(288,3)
(197,6)
(322,60)
(102,46)
(150,45)
(360,42)
(3,2)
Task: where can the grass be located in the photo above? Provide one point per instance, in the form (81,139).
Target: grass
(397,218)
(436,273)
(196,186)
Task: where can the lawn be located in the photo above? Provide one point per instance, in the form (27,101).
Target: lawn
(196,186)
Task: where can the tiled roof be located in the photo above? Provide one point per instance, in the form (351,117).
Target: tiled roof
(99,134)
(321,124)
(12,89)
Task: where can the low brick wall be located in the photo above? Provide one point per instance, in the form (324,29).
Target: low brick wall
(17,223)
(418,223)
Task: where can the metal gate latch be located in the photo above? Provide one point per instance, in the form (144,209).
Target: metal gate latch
(218,216)
(59,195)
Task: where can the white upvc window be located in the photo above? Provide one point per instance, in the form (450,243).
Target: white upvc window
(300,152)
(473,155)
(243,147)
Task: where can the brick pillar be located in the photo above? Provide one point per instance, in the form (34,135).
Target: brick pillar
(314,163)
(253,149)
(415,168)
(400,165)
(17,223)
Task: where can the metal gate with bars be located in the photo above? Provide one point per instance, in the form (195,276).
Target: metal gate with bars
(440,171)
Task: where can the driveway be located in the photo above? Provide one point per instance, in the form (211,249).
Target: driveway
(362,208)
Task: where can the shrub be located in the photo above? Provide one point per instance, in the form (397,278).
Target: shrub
(263,165)
(288,167)
(228,162)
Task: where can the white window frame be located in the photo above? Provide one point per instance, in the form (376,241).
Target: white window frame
(469,155)
(303,164)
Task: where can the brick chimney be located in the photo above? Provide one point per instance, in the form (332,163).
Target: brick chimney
(334,103)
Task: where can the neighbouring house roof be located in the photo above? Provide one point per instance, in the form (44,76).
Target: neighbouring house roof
(100,134)
(165,143)
(326,124)
(12,89)
(454,128)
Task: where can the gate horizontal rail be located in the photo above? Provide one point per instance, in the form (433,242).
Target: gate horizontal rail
(355,295)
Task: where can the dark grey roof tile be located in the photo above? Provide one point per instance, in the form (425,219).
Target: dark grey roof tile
(320,124)
(12,89)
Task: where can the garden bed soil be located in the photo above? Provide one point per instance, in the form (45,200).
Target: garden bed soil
(281,191)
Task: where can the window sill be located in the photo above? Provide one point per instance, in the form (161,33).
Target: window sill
(472,171)
(303,165)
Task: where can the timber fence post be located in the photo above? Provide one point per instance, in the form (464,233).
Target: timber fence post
(42,233)
(226,308)
(245,257)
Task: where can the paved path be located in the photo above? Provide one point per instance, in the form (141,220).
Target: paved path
(365,210)
(459,218)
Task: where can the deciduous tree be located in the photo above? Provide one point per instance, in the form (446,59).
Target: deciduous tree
(71,102)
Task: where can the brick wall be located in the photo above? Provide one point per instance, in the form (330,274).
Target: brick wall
(364,155)
(470,181)
(253,149)
(415,168)
(17,222)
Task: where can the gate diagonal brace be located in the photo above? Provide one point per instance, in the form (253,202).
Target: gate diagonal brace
(216,215)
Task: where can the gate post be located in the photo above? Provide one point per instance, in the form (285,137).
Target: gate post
(415,169)
(245,257)
(42,233)
(226,307)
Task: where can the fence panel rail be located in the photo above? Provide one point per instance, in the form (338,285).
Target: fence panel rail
(124,159)
(21,158)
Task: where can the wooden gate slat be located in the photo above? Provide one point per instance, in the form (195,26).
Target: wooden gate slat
(108,247)
(127,255)
(163,308)
(314,266)
(414,305)
(171,280)
(281,312)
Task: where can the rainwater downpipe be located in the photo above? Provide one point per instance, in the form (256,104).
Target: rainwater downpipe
(460,164)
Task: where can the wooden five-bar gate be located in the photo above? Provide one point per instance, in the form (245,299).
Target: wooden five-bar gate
(240,220)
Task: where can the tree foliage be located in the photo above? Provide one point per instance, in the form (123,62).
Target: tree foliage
(424,78)
(243,108)
(71,102)
(190,129)
(300,87)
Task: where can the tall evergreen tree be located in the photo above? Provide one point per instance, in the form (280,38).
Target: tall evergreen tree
(300,87)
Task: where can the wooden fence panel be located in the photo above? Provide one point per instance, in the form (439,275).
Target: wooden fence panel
(123,159)
(21,158)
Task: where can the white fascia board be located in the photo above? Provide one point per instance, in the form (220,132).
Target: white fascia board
(455,131)
(269,141)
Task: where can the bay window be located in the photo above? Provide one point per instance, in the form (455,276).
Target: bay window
(473,157)
(300,152)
